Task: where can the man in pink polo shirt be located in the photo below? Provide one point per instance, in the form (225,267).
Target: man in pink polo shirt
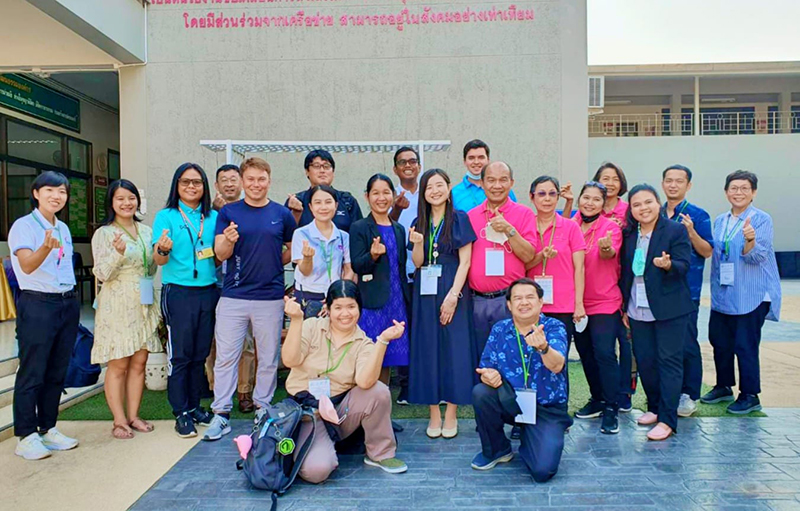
(506,232)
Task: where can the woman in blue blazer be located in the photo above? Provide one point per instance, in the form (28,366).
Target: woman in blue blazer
(656,303)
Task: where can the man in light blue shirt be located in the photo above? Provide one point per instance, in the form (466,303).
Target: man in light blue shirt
(469,192)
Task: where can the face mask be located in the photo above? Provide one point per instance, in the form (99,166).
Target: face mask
(494,236)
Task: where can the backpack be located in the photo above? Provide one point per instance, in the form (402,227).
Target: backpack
(81,372)
(271,464)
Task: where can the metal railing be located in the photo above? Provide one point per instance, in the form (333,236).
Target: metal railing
(711,123)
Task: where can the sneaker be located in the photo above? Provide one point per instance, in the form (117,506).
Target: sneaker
(745,404)
(687,406)
(31,447)
(717,395)
(390,465)
(516,432)
(610,424)
(591,410)
(260,412)
(219,427)
(402,398)
(201,417)
(184,426)
(58,441)
(625,405)
(481,462)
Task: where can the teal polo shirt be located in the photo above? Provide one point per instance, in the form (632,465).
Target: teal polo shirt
(180,269)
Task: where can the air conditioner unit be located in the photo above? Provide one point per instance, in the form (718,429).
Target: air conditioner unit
(597,91)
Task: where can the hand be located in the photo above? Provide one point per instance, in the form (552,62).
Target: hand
(401,202)
(308,252)
(231,234)
(292,308)
(323,312)
(490,376)
(119,244)
(294,203)
(549,252)
(447,309)
(566,192)
(748,232)
(663,262)
(626,321)
(579,313)
(686,220)
(164,242)
(499,224)
(393,332)
(49,241)
(377,249)
(414,236)
(218,201)
(604,243)
(536,339)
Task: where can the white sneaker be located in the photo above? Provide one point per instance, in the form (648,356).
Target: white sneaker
(57,441)
(31,447)
(260,412)
(217,429)
(687,406)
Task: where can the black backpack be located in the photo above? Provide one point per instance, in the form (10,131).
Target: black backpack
(81,372)
(271,464)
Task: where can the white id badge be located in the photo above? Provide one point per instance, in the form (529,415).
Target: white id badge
(495,262)
(146,290)
(526,399)
(320,387)
(726,274)
(546,283)
(429,279)
(641,296)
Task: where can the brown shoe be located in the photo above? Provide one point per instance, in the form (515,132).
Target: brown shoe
(246,404)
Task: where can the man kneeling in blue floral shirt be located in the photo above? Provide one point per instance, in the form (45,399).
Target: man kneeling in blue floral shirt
(523,362)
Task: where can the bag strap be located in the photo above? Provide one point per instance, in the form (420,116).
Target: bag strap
(301,455)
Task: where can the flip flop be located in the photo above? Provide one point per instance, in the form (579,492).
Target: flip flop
(120,432)
(147,428)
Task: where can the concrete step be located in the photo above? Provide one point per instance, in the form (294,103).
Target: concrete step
(8,366)
(7,390)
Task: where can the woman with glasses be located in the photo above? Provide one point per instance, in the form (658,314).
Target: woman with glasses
(185,250)
(745,291)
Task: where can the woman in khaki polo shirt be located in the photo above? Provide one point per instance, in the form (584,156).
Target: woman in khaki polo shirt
(332,356)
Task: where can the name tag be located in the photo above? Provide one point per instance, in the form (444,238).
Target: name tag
(146,290)
(546,283)
(366,278)
(726,274)
(429,279)
(320,387)
(495,262)
(526,399)
(206,253)
(641,296)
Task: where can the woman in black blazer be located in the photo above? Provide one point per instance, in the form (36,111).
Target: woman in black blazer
(656,304)
(378,256)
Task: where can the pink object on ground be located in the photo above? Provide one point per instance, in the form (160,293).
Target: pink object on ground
(244,443)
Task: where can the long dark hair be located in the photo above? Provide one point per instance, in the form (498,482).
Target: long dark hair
(343,289)
(424,208)
(632,223)
(173,198)
(111,215)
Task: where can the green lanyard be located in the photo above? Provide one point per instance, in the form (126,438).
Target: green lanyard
(727,235)
(523,357)
(433,240)
(141,244)
(328,368)
(552,235)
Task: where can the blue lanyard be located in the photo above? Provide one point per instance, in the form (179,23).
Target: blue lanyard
(433,241)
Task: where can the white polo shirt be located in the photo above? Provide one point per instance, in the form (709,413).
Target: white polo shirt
(335,250)
(55,274)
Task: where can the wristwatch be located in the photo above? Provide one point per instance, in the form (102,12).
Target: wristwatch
(544,350)
(163,253)
(512,233)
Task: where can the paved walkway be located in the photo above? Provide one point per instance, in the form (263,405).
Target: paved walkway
(712,464)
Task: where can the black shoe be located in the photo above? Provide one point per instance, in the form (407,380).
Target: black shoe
(402,397)
(610,425)
(200,416)
(516,432)
(591,410)
(745,404)
(184,426)
(717,395)
(624,402)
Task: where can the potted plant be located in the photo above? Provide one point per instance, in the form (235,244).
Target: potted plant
(155,374)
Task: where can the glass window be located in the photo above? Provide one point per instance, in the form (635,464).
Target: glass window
(113,165)
(20,179)
(34,144)
(78,156)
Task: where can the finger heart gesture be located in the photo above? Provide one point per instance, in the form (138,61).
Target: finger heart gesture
(308,252)
(164,242)
(49,241)
(118,243)
(605,241)
(231,233)
(377,249)
(414,236)
(664,262)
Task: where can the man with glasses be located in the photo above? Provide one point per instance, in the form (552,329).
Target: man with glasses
(469,192)
(320,167)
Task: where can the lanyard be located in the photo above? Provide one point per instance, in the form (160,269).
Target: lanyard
(328,368)
(141,243)
(433,241)
(190,227)
(727,235)
(60,240)
(677,216)
(638,255)
(523,357)
(592,230)
(552,235)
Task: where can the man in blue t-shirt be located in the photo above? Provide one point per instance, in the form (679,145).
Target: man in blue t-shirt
(469,193)
(676,183)
(250,235)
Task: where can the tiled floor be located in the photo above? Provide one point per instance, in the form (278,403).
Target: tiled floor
(722,463)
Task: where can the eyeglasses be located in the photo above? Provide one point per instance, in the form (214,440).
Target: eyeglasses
(542,194)
(320,166)
(737,189)
(595,184)
(197,183)
(403,163)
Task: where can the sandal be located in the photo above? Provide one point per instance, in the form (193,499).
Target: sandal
(121,432)
(143,425)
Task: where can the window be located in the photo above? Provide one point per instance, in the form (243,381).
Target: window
(30,143)
(79,155)
(113,165)
(627,129)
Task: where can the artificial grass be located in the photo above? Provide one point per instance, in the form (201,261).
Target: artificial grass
(155,406)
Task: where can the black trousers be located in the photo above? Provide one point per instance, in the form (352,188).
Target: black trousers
(596,346)
(569,325)
(47,326)
(541,444)
(658,346)
(738,336)
(487,312)
(627,382)
(692,359)
(189,313)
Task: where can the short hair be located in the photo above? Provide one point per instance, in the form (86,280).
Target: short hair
(678,167)
(111,215)
(475,144)
(595,184)
(343,289)
(226,168)
(402,150)
(483,170)
(319,153)
(174,196)
(524,281)
(623,183)
(379,177)
(257,163)
(742,175)
(48,178)
(545,179)
(322,188)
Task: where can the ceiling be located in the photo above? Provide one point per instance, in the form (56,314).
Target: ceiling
(102,86)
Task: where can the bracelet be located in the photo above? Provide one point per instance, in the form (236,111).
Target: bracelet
(163,253)
(544,350)
(378,339)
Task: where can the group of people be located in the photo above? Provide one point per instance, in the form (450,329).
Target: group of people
(472,297)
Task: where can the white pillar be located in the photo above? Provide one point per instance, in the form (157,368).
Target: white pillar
(675,114)
(421,151)
(133,133)
(697,120)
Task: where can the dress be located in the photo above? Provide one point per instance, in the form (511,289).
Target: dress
(122,326)
(443,359)
(375,321)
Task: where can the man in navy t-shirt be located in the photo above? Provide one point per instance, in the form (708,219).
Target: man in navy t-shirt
(250,235)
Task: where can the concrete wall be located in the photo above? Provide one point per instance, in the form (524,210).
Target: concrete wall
(519,85)
(774,158)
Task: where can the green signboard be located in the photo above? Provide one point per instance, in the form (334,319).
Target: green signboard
(78,207)
(99,203)
(26,96)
